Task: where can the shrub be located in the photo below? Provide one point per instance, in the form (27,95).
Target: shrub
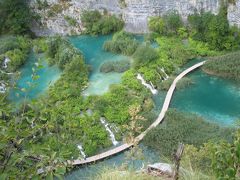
(115,66)
(71,21)
(121,43)
(95,23)
(144,53)
(40,45)
(214,30)
(16,17)
(186,128)
(17,59)
(226,66)
(169,24)
(8,43)
(60,51)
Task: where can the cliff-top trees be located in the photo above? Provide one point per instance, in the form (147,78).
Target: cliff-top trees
(15,17)
(214,30)
(96,23)
(166,25)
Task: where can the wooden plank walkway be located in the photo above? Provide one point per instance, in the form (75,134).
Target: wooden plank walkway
(160,118)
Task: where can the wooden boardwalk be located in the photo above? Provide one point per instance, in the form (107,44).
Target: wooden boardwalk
(160,118)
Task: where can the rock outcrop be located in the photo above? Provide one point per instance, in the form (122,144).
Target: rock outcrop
(135,13)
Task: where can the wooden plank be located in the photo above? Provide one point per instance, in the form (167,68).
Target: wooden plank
(160,118)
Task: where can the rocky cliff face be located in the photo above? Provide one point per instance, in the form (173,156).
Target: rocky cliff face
(135,13)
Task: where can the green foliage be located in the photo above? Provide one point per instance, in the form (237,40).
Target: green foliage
(144,54)
(40,45)
(214,30)
(169,24)
(115,66)
(185,128)
(174,50)
(60,52)
(95,23)
(16,48)
(15,17)
(157,24)
(200,48)
(226,66)
(114,105)
(184,82)
(116,174)
(129,80)
(121,43)
(42,4)
(17,59)
(71,21)
(220,159)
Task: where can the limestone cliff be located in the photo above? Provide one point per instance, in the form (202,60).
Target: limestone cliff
(135,13)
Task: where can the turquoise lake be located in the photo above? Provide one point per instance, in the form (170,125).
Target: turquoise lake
(34,88)
(215,99)
(94,55)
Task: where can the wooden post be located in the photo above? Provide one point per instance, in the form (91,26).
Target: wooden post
(177,159)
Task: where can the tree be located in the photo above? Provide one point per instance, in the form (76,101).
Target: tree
(15,17)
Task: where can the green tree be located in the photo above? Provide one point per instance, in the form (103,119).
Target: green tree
(15,17)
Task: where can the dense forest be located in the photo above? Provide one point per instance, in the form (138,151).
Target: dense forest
(39,136)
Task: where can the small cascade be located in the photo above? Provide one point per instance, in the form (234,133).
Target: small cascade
(2,88)
(81,151)
(5,62)
(112,136)
(149,86)
(166,76)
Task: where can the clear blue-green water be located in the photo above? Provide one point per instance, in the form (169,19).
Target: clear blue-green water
(26,87)
(88,172)
(95,56)
(215,99)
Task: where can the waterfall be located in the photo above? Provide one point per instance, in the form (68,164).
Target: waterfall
(149,86)
(106,125)
(5,62)
(2,88)
(81,151)
(166,76)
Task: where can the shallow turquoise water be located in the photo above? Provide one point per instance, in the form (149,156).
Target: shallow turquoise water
(88,172)
(47,76)
(94,55)
(216,99)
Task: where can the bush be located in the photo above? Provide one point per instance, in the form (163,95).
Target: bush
(169,24)
(17,59)
(115,66)
(95,23)
(60,52)
(226,66)
(214,30)
(144,54)
(121,43)
(71,21)
(40,45)
(16,17)
(186,128)
(16,49)
(8,43)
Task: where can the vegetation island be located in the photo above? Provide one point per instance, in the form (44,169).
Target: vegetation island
(41,136)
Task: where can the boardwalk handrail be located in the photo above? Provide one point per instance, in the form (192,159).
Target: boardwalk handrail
(160,118)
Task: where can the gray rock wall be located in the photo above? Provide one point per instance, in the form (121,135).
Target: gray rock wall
(135,14)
